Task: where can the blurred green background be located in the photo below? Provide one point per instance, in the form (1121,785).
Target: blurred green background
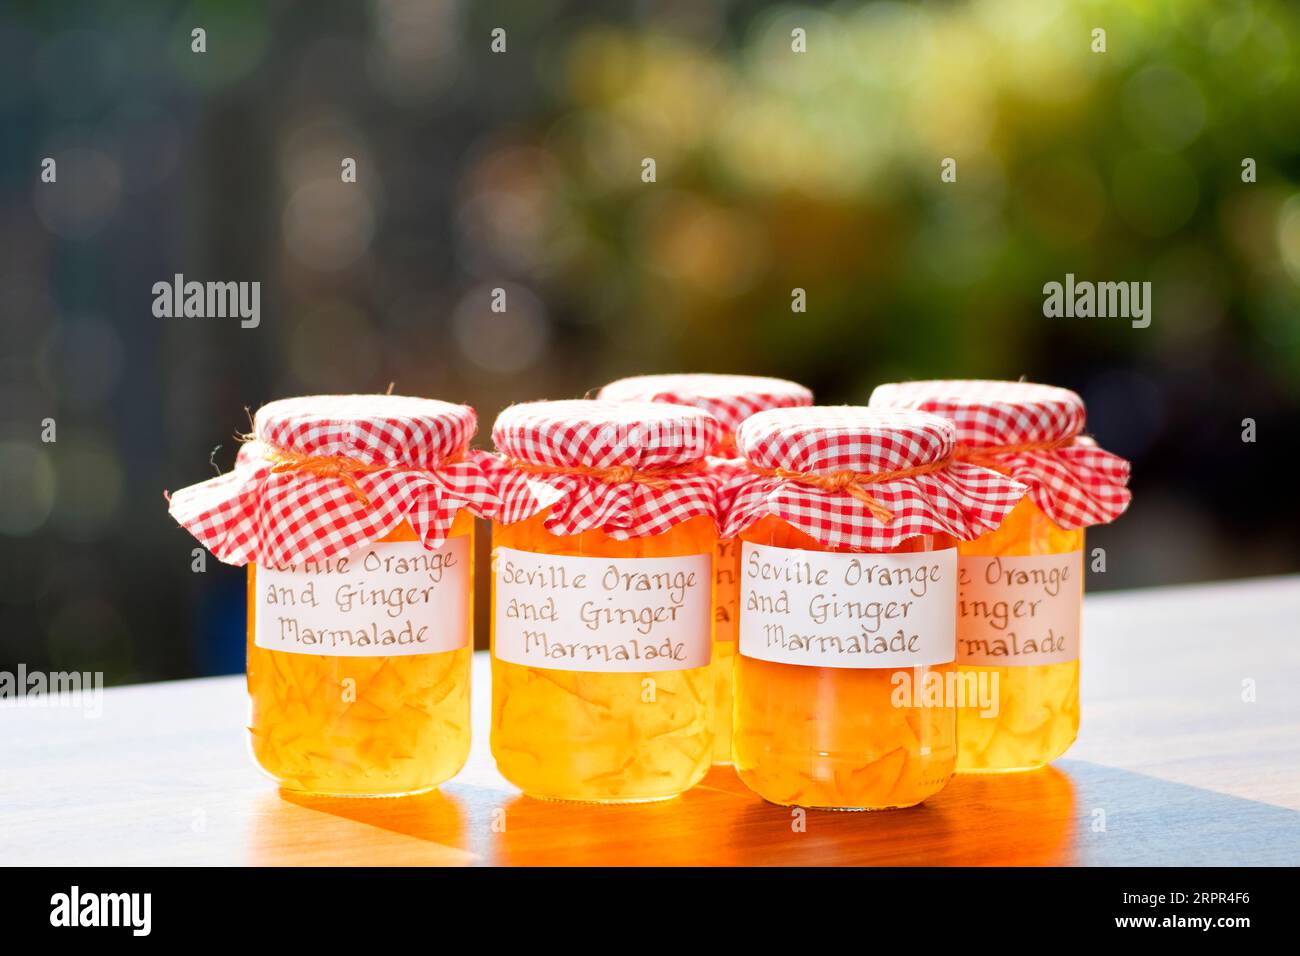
(522,170)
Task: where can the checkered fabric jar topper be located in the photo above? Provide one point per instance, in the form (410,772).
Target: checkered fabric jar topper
(1034,433)
(863,479)
(728,398)
(322,475)
(629,469)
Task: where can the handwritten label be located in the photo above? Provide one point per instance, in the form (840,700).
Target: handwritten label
(847,610)
(602,614)
(1018,611)
(383,600)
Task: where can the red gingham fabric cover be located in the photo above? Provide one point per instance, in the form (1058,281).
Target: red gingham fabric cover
(728,398)
(605,434)
(251,514)
(1076,485)
(961,500)
(724,472)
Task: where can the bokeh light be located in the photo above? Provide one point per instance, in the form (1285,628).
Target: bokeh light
(328,225)
(237,38)
(81,361)
(1288,235)
(28,479)
(333,348)
(89,189)
(90,487)
(503,342)
(414,55)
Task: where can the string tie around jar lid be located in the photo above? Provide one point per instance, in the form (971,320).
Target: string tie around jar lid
(989,456)
(657,478)
(341,467)
(851,482)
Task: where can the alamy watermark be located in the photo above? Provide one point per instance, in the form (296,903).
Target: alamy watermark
(208,300)
(667,435)
(76,690)
(130,910)
(1102,300)
(973,688)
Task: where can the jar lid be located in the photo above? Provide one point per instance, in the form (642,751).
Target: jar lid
(825,439)
(864,479)
(604,434)
(989,413)
(324,475)
(728,398)
(630,469)
(370,428)
(1031,432)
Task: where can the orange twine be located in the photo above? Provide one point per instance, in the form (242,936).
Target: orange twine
(851,482)
(340,466)
(989,457)
(657,478)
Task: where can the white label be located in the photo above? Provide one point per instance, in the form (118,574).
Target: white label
(1018,611)
(603,614)
(382,600)
(848,610)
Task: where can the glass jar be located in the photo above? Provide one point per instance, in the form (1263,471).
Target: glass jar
(355,517)
(1021,584)
(845,683)
(375,725)
(598,736)
(836,737)
(1037,717)
(730,399)
(601,636)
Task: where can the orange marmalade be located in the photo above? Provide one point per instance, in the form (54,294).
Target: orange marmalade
(1020,594)
(837,737)
(363,726)
(602,600)
(354,515)
(1037,717)
(846,690)
(600,736)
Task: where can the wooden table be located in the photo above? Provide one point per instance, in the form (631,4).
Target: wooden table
(1172,766)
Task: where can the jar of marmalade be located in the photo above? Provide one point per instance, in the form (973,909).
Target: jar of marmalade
(730,399)
(848,519)
(354,515)
(1021,585)
(602,598)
